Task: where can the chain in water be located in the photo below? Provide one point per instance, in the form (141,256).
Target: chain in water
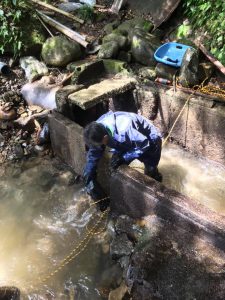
(78,249)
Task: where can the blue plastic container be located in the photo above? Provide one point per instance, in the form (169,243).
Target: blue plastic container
(171,54)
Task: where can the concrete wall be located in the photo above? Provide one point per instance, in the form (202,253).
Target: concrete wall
(137,195)
(67,141)
(201,128)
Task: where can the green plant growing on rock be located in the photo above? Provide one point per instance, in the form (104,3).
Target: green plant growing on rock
(86,13)
(209,15)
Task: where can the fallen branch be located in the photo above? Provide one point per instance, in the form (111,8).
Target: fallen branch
(212,58)
(51,7)
(43,24)
(65,30)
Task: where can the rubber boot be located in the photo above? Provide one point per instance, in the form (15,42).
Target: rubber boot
(153,172)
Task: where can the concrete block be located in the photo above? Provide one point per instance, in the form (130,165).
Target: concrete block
(97,93)
(201,126)
(67,141)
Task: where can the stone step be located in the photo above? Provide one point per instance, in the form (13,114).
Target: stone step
(96,93)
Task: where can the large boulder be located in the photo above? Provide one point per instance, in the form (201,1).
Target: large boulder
(59,51)
(33,68)
(143,47)
(138,23)
(165,71)
(189,69)
(117,37)
(108,50)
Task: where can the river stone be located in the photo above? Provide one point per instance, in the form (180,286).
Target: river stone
(189,69)
(108,50)
(58,51)
(120,39)
(67,178)
(165,71)
(121,246)
(143,47)
(118,293)
(33,68)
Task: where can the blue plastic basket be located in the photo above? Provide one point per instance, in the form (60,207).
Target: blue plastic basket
(171,54)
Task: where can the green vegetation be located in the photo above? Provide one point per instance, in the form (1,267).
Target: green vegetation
(86,13)
(19,27)
(210,16)
(12,12)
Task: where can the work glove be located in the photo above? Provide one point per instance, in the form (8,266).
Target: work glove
(116,161)
(96,192)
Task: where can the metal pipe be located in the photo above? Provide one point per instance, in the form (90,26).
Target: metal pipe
(4,68)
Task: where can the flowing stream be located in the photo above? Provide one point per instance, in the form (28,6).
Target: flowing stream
(41,220)
(195,177)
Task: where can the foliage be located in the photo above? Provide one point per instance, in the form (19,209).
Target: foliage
(86,13)
(210,16)
(11,14)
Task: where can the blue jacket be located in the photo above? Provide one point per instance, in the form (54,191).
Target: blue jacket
(130,134)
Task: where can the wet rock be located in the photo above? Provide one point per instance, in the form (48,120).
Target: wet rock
(112,276)
(33,68)
(119,293)
(59,51)
(18,151)
(67,178)
(46,180)
(120,39)
(44,135)
(9,293)
(108,50)
(147,73)
(165,71)
(121,246)
(143,47)
(144,290)
(189,69)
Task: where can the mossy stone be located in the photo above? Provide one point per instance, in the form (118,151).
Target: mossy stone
(116,37)
(108,50)
(59,51)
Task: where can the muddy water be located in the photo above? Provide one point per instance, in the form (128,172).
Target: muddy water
(194,177)
(41,220)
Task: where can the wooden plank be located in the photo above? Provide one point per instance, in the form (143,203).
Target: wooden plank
(65,30)
(116,6)
(53,8)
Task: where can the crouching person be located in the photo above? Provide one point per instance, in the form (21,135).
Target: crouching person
(131,136)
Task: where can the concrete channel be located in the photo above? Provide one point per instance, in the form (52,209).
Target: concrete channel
(200,130)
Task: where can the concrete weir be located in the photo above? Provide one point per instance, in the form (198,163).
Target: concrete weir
(200,129)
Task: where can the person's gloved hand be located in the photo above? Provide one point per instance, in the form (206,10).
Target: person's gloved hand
(116,161)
